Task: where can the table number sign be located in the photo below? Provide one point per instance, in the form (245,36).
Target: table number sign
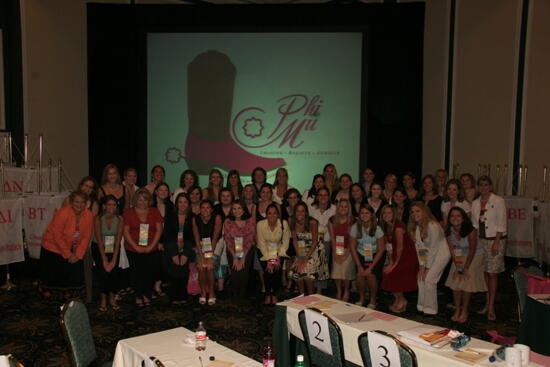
(383,350)
(317,329)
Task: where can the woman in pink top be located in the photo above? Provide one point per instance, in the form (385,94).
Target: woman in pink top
(239,235)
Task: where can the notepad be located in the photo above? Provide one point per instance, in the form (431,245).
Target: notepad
(383,316)
(353,317)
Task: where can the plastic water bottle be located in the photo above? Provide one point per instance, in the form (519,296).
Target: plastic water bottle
(268,355)
(300,361)
(200,337)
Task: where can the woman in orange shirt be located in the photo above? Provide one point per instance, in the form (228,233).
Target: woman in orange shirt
(64,245)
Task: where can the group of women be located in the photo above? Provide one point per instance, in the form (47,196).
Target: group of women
(363,236)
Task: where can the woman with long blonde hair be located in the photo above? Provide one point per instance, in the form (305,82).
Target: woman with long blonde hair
(343,269)
(433,254)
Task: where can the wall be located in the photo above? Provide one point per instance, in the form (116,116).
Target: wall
(484,93)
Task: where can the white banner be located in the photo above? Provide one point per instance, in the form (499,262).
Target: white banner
(521,239)
(38,212)
(11,231)
(543,233)
(25,180)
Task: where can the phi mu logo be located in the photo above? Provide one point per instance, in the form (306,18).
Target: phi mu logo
(297,114)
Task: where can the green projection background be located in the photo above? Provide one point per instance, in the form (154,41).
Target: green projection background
(241,100)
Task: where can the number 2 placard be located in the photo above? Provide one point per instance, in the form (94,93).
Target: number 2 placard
(317,329)
(383,351)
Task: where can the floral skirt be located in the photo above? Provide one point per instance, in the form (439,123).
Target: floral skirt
(317,265)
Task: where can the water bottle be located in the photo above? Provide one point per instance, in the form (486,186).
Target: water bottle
(200,337)
(300,361)
(268,355)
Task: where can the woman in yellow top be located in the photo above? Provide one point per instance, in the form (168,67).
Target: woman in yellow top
(273,236)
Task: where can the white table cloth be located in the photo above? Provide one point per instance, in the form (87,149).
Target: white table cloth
(350,333)
(171,348)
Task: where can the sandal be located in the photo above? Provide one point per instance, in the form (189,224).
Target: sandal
(115,307)
(102,308)
(202,300)
(372,306)
(491,316)
(139,303)
(211,301)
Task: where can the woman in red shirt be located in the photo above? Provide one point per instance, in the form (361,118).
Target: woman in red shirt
(142,231)
(64,245)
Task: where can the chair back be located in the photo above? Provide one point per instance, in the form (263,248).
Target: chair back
(78,333)
(407,357)
(521,276)
(316,356)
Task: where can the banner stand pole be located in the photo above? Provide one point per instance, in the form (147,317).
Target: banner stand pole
(2,177)
(8,286)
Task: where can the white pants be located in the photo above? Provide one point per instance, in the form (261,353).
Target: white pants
(427,288)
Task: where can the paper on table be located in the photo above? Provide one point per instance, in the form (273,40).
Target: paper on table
(322,305)
(471,355)
(383,316)
(218,363)
(350,318)
(305,300)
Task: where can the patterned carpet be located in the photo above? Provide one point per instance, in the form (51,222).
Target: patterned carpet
(30,326)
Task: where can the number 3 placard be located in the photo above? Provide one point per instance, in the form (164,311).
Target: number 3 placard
(383,351)
(317,329)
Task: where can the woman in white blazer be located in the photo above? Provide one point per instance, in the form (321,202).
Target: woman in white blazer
(433,255)
(489,218)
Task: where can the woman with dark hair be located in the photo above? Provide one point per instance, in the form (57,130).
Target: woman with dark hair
(401,204)
(158,175)
(409,184)
(400,273)
(431,197)
(179,248)
(239,234)
(344,183)
(368,177)
(188,179)
(468,183)
(273,236)
(234,184)
(453,197)
(375,200)
(130,185)
(90,187)
(105,250)
(215,185)
(280,185)
(489,218)
(64,245)
(367,246)
(161,201)
(112,185)
(331,177)
(195,198)
(142,232)
(357,197)
(206,230)
(433,255)
(311,260)
(309,195)
(466,274)
(259,178)
(291,199)
(223,209)
(265,199)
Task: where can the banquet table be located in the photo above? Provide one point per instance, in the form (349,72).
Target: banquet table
(534,329)
(288,338)
(173,350)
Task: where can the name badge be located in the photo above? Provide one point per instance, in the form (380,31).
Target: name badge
(239,251)
(389,247)
(272,250)
(368,254)
(340,245)
(109,244)
(206,244)
(180,240)
(302,249)
(422,256)
(143,234)
(460,259)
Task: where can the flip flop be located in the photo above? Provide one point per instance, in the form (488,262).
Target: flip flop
(102,308)
(202,300)
(115,307)
(211,301)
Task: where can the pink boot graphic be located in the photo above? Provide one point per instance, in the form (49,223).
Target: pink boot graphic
(210,88)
